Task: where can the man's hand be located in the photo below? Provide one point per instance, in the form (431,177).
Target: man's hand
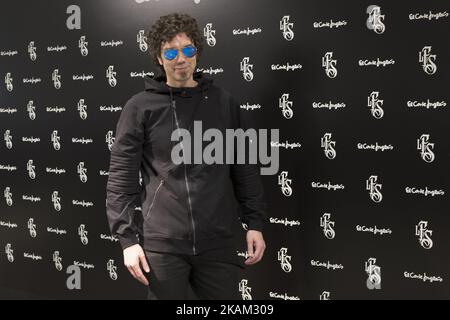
(255,246)
(132,256)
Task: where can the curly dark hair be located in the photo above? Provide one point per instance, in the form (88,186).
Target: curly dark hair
(166,28)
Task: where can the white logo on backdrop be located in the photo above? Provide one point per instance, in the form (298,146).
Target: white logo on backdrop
(110,139)
(327,225)
(329,24)
(286,106)
(56,78)
(426,104)
(82,172)
(428,16)
(426,148)
(374,273)
(424,235)
(246,69)
(30,169)
(427,59)
(9,252)
(285,260)
(32,51)
(245,290)
(57,260)
(328,105)
(283,296)
(425,191)
(111,76)
(324,295)
(286,28)
(112,269)
(328,265)
(8,139)
(209,33)
(82,45)
(9,82)
(82,232)
(375,105)
(55,139)
(31,110)
(374,189)
(375,230)
(142,40)
(327,186)
(285,183)
(56,200)
(329,64)
(32,228)
(422,276)
(8,196)
(375,20)
(328,146)
(82,109)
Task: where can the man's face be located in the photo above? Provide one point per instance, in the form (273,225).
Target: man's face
(179,71)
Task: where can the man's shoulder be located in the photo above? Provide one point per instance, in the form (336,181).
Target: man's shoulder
(224,96)
(220,90)
(145,100)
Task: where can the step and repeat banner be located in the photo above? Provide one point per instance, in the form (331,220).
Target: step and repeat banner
(359,208)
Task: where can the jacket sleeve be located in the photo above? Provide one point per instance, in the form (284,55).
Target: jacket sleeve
(246,180)
(123,189)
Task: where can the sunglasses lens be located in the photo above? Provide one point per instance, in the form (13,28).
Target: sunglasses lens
(189,51)
(170,54)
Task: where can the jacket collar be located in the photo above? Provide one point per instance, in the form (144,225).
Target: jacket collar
(157,84)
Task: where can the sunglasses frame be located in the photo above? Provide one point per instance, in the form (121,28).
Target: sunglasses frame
(165,52)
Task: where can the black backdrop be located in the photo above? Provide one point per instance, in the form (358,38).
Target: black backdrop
(364,249)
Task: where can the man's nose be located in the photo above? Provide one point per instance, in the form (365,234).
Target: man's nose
(180,57)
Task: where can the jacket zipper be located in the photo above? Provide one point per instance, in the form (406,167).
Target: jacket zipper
(185,179)
(154,198)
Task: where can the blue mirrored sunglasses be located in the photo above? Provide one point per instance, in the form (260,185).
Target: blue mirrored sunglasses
(188,51)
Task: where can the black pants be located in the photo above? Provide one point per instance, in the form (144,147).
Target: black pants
(176,277)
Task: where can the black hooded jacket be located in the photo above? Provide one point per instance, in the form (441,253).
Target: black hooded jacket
(186,208)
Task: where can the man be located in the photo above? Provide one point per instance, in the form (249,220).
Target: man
(189,211)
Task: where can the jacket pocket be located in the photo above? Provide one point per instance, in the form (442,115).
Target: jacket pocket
(155,196)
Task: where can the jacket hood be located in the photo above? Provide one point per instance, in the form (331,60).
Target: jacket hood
(157,84)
